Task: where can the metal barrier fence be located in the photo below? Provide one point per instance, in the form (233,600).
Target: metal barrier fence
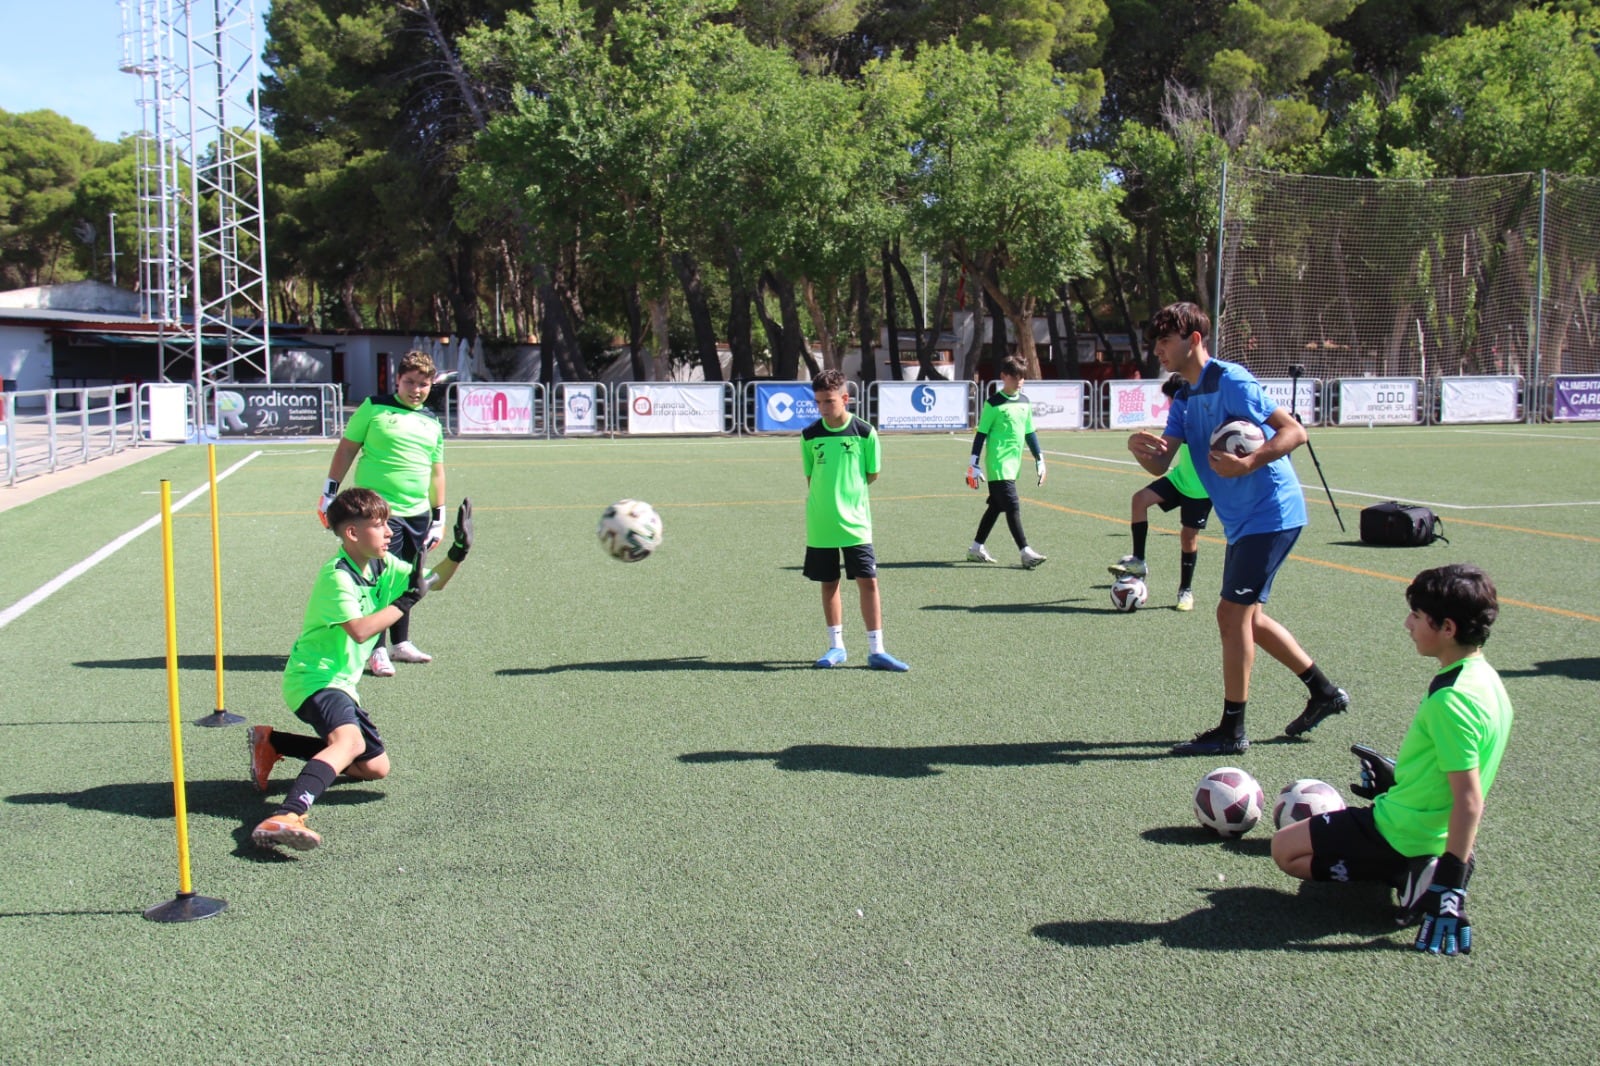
(75,426)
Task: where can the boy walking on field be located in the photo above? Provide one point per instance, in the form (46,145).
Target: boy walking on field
(1006,425)
(357,595)
(840,456)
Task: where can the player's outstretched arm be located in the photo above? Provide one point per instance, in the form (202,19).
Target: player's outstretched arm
(460,545)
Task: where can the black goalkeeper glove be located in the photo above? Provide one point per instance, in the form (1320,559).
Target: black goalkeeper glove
(1445,928)
(416,588)
(1377,772)
(463,542)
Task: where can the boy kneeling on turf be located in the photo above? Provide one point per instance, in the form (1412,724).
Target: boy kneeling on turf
(1427,804)
(358,594)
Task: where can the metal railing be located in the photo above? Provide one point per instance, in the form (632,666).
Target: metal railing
(75,426)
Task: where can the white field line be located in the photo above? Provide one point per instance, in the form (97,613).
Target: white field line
(49,588)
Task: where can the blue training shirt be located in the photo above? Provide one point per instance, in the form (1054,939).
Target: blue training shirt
(1266,501)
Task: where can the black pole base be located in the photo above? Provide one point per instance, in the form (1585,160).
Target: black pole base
(186,907)
(219,717)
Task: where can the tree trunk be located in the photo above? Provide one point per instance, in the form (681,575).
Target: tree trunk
(774,334)
(705,334)
(1069,321)
(792,335)
(635,313)
(462,270)
(890,319)
(739,339)
(660,358)
(859,287)
(925,338)
(1135,341)
(819,322)
(1094,323)
(1055,343)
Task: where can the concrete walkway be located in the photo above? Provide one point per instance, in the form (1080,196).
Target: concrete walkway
(44,484)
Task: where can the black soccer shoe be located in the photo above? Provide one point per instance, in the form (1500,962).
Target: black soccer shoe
(1216,741)
(1318,708)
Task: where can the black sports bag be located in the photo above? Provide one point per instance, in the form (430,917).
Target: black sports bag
(1399,525)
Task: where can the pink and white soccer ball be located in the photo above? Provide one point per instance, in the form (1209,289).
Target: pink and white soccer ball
(1228,801)
(1238,437)
(1128,593)
(1305,798)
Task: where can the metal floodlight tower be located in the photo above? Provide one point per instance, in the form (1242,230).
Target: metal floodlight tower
(203,266)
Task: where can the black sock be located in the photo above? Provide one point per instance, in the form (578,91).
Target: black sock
(1141,532)
(1186,569)
(312,782)
(1317,682)
(1233,717)
(295,745)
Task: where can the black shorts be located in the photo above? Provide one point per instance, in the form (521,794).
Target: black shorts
(1346,846)
(329,708)
(1194,512)
(1003,496)
(822,564)
(408,535)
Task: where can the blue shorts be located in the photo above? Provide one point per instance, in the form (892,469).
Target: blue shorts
(1347,846)
(822,564)
(1194,512)
(329,708)
(1252,562)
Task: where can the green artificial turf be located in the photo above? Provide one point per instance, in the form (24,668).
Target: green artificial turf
(629,823)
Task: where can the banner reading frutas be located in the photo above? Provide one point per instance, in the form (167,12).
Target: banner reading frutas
(1304,396)
(1056,404)
(494,410)
(270,411)
(1478,399)
(905,405)
(1575,399)
(784,407)
(1136,405)
(658,408)
(1378,401)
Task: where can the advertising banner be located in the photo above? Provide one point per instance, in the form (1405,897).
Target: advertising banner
(581,406)
(658,408)
(1478,399)
(1576,399)
(1136,405)
(908,405)
(270,411)
(1281,390)
(1056,404)
(494,410)
(1379,401)
(784,407)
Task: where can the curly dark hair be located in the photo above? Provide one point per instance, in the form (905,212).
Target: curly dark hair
(1179,319)
(354,504)
(828,381)
(1460,592)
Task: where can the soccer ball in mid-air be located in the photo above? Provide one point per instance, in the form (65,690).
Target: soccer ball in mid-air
(629,530)
(1238,437)
(1128,593)
(1305,798)
(1228,801)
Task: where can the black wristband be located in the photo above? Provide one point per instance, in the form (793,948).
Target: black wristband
(331,488)
(405,601)
(1450,873)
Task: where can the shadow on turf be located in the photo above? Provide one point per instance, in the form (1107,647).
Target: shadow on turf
(1251,918)
(1050,606)
(1577,669)
(267,664)
(924,761)
(631,666)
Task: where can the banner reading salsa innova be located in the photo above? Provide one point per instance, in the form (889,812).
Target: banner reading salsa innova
(658,408)
(270,411)
(923,405)
(494,410)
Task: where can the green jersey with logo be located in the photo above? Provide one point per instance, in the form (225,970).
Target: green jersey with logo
(837,463)
(324,655)
(1005,422)
(1462,724)
(399,446)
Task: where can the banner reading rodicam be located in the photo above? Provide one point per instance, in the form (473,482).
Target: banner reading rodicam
(270,411)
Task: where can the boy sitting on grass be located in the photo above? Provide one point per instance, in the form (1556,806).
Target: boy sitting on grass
(358,594)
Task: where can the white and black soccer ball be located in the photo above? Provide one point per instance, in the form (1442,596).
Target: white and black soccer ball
(1238,437)
(629,530)
(1228,801)
(1128,593)
(1305,798)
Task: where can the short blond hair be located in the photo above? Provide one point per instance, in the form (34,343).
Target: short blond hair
(415,360)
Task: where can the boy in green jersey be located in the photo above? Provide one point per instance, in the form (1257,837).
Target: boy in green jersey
(401,445)
(1419,834)
(839,453)
(1006,425)
(358,594)
(1180,487)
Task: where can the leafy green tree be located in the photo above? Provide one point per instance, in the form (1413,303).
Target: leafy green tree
(43,158)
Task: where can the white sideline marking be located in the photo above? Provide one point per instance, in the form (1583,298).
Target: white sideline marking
(49,588)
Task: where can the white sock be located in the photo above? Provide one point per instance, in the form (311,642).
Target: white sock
(836,636)
(874,642)
(977,545)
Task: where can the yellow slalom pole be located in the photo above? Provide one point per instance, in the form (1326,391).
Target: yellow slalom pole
(220,716)
(187,905)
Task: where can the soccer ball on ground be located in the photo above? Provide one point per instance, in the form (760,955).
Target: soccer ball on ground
(1305,798)
(1237,437)
(1228,801)
(1128,593)
(629,530)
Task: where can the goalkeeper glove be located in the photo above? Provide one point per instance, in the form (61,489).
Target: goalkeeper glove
(1038,466)
(416,588)
(329,491)
(1445,928)
(435,530)
(974,474)
(1377,772)
(463,542)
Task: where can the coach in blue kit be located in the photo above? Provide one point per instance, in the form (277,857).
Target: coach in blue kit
(1258,499)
